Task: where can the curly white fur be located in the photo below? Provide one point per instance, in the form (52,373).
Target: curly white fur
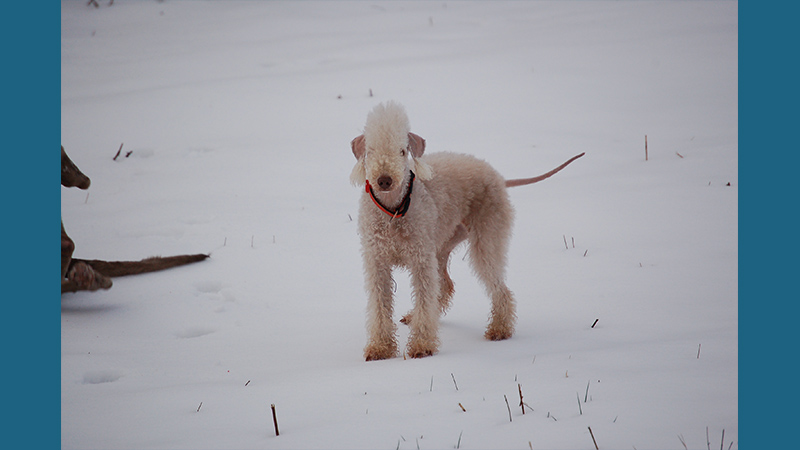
(454,198)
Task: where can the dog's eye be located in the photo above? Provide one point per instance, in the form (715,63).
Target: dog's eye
(403,152)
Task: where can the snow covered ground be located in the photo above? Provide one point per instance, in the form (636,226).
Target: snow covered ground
(238,117)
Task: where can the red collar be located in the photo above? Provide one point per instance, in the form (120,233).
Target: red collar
(402,208)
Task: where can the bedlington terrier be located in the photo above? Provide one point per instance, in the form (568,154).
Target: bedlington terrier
(413,212)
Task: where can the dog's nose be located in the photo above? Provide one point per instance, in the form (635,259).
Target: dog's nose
(385,183)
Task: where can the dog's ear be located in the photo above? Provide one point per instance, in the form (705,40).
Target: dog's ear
(359,174)
(359,146)
(416,144)
(358,177)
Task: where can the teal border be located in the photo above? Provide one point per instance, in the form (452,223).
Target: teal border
(768,233)
(768,229)
(31,74)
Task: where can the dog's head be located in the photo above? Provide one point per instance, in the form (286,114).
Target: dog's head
(383,152)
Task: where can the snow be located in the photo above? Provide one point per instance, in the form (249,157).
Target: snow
(238,117)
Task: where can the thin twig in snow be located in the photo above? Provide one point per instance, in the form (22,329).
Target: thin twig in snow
(680,436)
(118,151)
(275,419)
(595,442)
(509,408)
(454,381)
(578,396)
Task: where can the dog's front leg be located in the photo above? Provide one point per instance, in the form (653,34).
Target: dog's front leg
(67,247)
(424,338)
(382,340)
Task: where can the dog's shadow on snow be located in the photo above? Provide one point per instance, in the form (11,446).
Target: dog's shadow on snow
(78,306)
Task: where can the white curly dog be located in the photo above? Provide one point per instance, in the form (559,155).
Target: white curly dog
(413,212)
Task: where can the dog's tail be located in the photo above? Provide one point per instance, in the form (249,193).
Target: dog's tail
(524,181)
(153,264)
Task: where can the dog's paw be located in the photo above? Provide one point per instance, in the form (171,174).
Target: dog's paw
(421,353)
(417,350)
(87,278)
(498,334)
(378,352)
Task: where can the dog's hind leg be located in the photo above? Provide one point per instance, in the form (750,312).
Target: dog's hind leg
(490,271)
(447,286)
(152,264)
(488,246)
